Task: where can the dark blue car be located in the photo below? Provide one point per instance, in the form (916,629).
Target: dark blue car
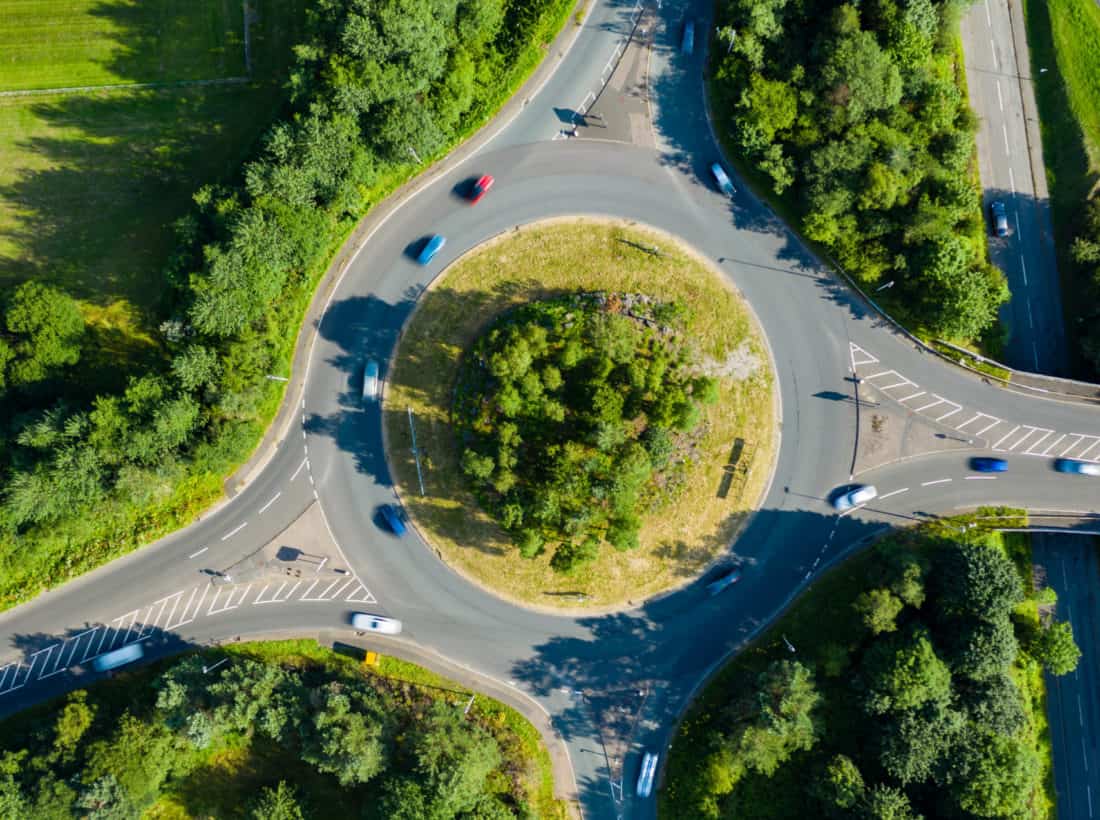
(434,245)
(984,464)
(1070,465)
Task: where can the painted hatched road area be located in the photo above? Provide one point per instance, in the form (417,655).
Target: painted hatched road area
(1000,435)
(171,613)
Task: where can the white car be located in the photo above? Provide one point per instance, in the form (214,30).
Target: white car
(375,623)
(853,498)
(118,657)
(646,772)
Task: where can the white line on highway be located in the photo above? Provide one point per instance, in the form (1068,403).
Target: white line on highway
(937,481)
(1000,99)
(993,48)
(1088,790)
(1080,711)
(197,554)
(1023,264)
(981,478)
(305,461)
(1004,130)
(274,498)
(988,18)
(1030,318)
(1006,435)
(1035,354)
(1012,181)
(1016,214)
(915,395)
(1084,754)
(993,423)
(229,535)
(895,492)
(851,510)
(1055,444)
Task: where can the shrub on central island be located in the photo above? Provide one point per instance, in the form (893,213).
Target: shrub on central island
(577,416)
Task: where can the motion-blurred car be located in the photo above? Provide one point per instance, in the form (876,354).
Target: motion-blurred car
(370,380)
(1071,465)
(985,464)
(1000,218)
(722,179)
(723,581)
(118,657)
(434,245)
(393,520)
(646,773)
(375,623)
(481,187)
(854,497)
(687,39)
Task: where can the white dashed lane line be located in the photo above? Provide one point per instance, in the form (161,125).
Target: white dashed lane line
(301,466)
(274,498)
(937,481)
(197,554)
(234,531)
(981,478)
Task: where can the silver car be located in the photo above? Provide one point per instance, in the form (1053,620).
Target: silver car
(375,623)
(370,380)
(855,497)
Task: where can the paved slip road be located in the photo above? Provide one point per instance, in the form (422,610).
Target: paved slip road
(1010,161)
(834,361)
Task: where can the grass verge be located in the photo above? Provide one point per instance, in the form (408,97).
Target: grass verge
(538,262)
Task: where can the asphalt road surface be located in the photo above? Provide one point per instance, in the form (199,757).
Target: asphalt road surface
(581,670)
(1010,162)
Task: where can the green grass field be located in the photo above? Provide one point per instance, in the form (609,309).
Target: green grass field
(91,182)
(66,43)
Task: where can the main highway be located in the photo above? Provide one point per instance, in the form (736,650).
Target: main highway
(330,471)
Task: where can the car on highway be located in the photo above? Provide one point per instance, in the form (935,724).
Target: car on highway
(860,494)
(722,179)
(431,248)
(375,623)
(481,187)
(725,580)
(118,657)
(1000,218)
(392,516)
(370,381)
(986,464)
(646,773)
(1072,465)
(687,39)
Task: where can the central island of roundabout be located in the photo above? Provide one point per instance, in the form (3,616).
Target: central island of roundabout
(594,413)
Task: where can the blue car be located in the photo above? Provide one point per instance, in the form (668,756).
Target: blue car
(393,520)
(1072,465)
(984,464)
(434,245)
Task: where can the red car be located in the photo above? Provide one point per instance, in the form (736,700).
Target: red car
(481,187)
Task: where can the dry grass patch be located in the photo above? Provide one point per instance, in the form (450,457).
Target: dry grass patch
(546,260)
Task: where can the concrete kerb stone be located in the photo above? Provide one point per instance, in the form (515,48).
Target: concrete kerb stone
(293,396)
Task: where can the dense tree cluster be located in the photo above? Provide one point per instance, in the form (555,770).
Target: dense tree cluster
(391,753)
(1085,254)
(571,413)
(376,83)
(920,715)
(854,113)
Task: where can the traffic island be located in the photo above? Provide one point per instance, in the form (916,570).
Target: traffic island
(723,449)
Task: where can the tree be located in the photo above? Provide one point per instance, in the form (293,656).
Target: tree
(994,704)
(47,328)
(75,719)
(977,580)
(981,648)
(914,742)
(888,803)
(1056,650)
(453,758)
(840,786)
(995,775)
(346,736)
(196,367)
(280,803)
(878,609)
(858,77)
(904,672)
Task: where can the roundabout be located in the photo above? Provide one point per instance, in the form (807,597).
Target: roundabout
(835,361)
(716,472)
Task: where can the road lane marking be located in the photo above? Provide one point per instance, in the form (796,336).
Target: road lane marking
(1016,214)
(882,498)
(913,396)
(989,426)
(1008,151)
(1052,446)
(1030,318)
(950,413)
(305,461)
(197,554)
(1023,264)
(981,478)
(1006,435)
(274,498)
(1030,451)
(1088,449)
(1088,790)
(1080,436)
(1011,179)
(233,532)
(1080,711)
(850,510)
(1084,754)
(930,404)
(865,357)
(988,17)
(937,481)
(993,48)
(1000,99)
